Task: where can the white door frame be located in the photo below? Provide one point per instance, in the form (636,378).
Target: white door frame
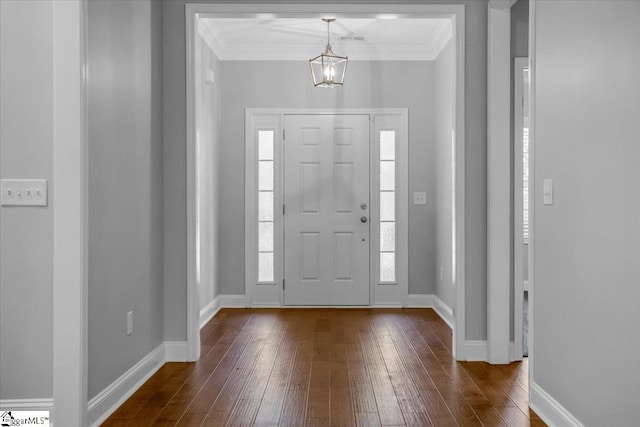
(272,294)
(498,181)
(70,262)
(532,127)
(455,12)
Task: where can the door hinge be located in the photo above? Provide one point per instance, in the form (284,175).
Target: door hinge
(282,283)
(283,134)
(283,210)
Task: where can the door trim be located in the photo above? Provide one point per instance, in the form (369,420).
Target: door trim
(498,181)
(271,294)
(455,12)
(70,214)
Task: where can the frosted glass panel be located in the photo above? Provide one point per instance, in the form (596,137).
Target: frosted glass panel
(387,206)
(265,206)
(265,175)
(265,267)
(265,145)
(387,145)
(387,267)
(387,175)
(387,236)
(265,236)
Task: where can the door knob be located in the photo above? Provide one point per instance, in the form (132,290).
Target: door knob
(363,219)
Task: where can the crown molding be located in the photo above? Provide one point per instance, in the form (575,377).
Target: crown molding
(356,50)
(211,36)
(444,33)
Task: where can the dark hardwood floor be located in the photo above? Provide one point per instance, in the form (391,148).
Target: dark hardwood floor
(329,367)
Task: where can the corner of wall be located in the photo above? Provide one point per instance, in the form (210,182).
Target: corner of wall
(549,409)
(109,400)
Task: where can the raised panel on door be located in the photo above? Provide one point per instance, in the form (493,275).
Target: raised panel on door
(326,183)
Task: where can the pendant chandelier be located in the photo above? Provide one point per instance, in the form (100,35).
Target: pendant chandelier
(328,69)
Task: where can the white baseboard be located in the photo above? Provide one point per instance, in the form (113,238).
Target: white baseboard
(26,404)
(444,311)
(420,301)
(475,351)
(233,301)
(386,305)
(432,301)
(175,351)
(210,310)
(478,351)
(109,399)
(512,352)
(549,410)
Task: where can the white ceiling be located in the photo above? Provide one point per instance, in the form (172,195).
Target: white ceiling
(267,38)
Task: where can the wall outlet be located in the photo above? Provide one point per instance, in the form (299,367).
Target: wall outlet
(419,198)
(129,322)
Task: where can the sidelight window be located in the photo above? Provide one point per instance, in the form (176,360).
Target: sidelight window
(266,205)
(387,206)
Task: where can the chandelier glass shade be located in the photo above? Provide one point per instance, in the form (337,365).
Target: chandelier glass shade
(328,69)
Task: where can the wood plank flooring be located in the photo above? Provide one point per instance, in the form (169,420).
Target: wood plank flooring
(329,367)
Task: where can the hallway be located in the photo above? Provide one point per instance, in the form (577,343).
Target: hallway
(319,367)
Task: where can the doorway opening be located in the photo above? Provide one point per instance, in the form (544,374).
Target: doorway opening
(521,204)
(266,76)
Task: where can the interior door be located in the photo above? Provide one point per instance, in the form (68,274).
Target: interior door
(326,221)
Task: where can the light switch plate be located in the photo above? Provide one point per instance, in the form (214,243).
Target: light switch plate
(419,198)
(24,192)
(210,77)
(547,191)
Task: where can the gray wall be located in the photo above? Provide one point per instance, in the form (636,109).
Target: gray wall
(586,271)
(370,84)
(444,107)
(208,124)
(174,71)
(26,254)
(125,186)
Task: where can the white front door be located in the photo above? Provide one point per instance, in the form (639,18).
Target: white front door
(326,221)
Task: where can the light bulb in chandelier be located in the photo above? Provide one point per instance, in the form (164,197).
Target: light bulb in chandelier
(329,73)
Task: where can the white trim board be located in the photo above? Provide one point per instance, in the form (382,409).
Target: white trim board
(210,310)
(27,405)
(70,263)
(498,181)
(549,410)
(109,400)
(475,351)
(532,191)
